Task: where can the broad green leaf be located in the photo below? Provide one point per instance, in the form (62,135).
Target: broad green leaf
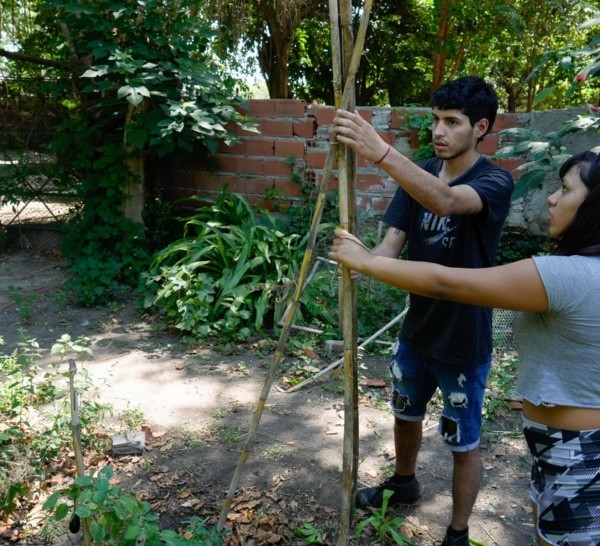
(527,182)
(543,95)
(61,512)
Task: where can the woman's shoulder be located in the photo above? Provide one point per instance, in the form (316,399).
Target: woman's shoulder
(570,270)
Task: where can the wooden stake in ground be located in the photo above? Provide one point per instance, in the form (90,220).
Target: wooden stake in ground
(300,281)
(77,449)
(341,42)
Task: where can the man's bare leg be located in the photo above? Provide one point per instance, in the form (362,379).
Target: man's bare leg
(465,486)
(407,442)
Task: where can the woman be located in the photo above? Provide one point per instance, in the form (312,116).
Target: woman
(558,337)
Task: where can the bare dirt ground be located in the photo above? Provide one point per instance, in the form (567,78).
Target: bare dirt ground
(198,403)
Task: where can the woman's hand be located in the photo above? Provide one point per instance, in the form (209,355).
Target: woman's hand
(348,250)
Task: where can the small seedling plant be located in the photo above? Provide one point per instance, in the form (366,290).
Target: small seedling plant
(119,518)
(310,533)
(386,527)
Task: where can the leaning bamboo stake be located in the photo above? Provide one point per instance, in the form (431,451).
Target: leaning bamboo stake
(77,449)
(279,351)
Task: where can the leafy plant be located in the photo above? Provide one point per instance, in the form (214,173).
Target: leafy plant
(224,275)
(119,518)
(420,121)
(544,153)
(309,533)
(23,302)
(516,244)
(576,65)
(385,526)
(501,385)
(34,410)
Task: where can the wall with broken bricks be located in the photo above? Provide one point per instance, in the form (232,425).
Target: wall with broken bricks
(294,140)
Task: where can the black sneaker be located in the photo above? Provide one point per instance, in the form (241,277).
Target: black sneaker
(462,540)
(372,497)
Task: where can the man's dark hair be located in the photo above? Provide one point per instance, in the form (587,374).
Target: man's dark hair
(582,236)
(472,95)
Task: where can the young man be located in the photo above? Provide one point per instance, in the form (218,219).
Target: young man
(448,210)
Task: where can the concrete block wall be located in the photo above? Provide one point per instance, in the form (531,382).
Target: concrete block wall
(291,148)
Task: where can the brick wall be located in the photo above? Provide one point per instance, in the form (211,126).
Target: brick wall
(294,138)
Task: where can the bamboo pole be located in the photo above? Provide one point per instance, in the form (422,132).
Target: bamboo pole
(77,449)
(341,32)
(316,219)
(336,363)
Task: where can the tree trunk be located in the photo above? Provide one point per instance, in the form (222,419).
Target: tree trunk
(282,17)
(134,190)
(440,55)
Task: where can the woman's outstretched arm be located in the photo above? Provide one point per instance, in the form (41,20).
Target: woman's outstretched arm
(516,286)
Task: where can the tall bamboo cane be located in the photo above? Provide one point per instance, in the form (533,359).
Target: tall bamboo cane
(341,37)
(316,219)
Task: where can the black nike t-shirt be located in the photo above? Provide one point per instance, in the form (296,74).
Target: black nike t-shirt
(454,332)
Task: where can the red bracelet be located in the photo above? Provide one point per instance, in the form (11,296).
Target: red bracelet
(384,155)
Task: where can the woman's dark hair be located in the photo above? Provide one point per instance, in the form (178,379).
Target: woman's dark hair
(582,236)
(472,95)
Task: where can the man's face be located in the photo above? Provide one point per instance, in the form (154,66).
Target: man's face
(452,133)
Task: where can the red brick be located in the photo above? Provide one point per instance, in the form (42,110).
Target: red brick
(286,187)
(289,148)
(227,163)
(262,107)
(379,205)
(369,182)
(363,203)
(511,165)
(489,145)
(315,159)
(365,113)
(305,128)
(241,164)
(209,182)
(505,121)
(261,147)
(276,167)
(277,128)
(323,114)
(290,108)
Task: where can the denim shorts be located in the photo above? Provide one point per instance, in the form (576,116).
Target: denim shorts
(417,376)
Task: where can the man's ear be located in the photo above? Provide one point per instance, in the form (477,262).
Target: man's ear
(481,128)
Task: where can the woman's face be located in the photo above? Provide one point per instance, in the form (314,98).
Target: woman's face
(565,201)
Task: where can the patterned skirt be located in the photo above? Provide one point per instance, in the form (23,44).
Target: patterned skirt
(565,483)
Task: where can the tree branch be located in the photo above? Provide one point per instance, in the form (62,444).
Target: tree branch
(16,56)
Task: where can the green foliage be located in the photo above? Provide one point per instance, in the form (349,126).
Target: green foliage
(309,533)
(146,86)
(575,68)
(119,518)
(386,527)
(34,407)
(500,385)
(544,153)
(223,277)
(518,244)
(103,250)
(421,122)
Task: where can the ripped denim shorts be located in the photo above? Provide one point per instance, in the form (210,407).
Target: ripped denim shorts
(417,376)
